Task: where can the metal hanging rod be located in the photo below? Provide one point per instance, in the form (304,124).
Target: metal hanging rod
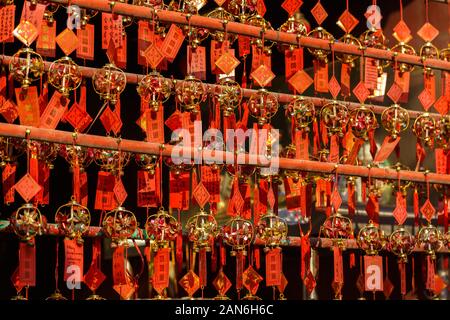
(250,31)
(135,78)
(100,142)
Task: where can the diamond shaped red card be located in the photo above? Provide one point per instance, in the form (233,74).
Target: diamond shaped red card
(400,214)
(291,6)
(284,283)
(120,192)
(441,105)
(262,75)
(78,118)
(347,21)
(125,290)
(220,2)
(360,284)
(9,110)
(395,92)
(173,122)
(251,280)
(190,283)
(94,278)
(201,195)
(222,283)
(427,210)
(153,56)
(439,284)
(15,279)
(319,13)
(261,7)
(334,87)
(300,81)
(271,198)
(67,41)
(361,92)
(309,282)
(388,287)
(26,32)
(426,99)
(402,33)
(336,200)
(227,62)
(237,200)
(428,32)
(108,119)
(27,187)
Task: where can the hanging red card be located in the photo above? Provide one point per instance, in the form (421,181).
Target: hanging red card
(428,210)
(262,75)
(155,126)
(244,45)
(402,33)
(9,110)
(222,283)
(196,62)
(442,105)
(67,41)
(338,266)
(112,29)
(119,192)
(34,13)
(428,32)
(347,22)
(190,282)
(403,80)
(54,111)
(7,15)
(172,43)
(28,106)
(46,43)
(227,62)
(293,192)
(74,260)
(179,191)
(260,7)
(361,92)
(43,196)
(345,80)
(273,267)
(118,266)
(78,118)
(429,84)
(251,280)
(8,181)
(104,197)
(27,187)
(334,87)
(107,119)
(148,188)
(211,180)
(426,99)
(370,73)
(291,6)
(319,13)
(94,278)
(400,214)
(373,273)
(86,37)
(300,81)
(160,279)
(395,92)
(293,61)
(27,264)
(386,149)
(441,161)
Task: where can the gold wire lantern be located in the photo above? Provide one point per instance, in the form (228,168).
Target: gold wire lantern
(11,149)
(119,225)
(263,105)
(242,9)
(322,34)
(147,162)
(229,95)
(155,89)
(348,58)
(430,239)
(302,111)
(65,75)
(395,120)
(335,117)
(404,49)
(46,152)
(362,121)
(290,152)
(445,54)
(423,128)
(109,82)
(112,160)
(27,222)
(202,229)
(371,239)
(295,24)
(77,156)
(374,38)
(337,228)
(442,133)
(73,220)
(225,16)
(238,233)
(162,228)
(258,21)
(26,66)
(272,230)
(401,243)
(190,93)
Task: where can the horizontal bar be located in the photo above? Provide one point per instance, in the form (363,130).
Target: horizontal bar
(250,31)
(135,78)
(52,230)
(100,142)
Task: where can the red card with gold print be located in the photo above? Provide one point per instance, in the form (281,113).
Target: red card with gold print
(28,106)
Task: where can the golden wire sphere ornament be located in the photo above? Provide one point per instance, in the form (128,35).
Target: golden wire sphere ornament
(428,51)
(371,239)
(119,225)
(155,89)
(362,121)
(26,66)
(423,128)
(65,75)
(445,54)
(73,220)
(225,16)
(258,21)
(162,228)
(11,149)
(272,230)
(27,222)
(228,94)
(190,93)
(242,9)
(147,162)
(405,185)
(47,152)
(322,34)
(442,133)
(77,156)
(348,58)
(295,24)
(337,228)
(238,233)
(430,239)
(335,117)
(404,48)
(263,105)
(112,160)
(401,243)
(374,38)
(302,111)
(202,229)
(195,35)
(395,120)
(109,82)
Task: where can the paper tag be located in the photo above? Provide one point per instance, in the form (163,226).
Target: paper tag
(179,191)
(160,278)
(293,193)
(243,45)
(118,268)
(403,80)
(28,106)
(46,42)
(273,267)
(301,145)
(112,29)
(211,180)
(104,197)
(334,149)
(320,76)
(7,16)
(346,80)
(27,264)
(73,262)
(216,51)
(43,196)
(148,188)
(33,13)
(373,273)
(86,37)
(293,61)
(8,182)
(305,256)
(54,111)
(196,62)
(338,265)
(121,53)
(370,74)
(8,110)
(386,148)
(172,43)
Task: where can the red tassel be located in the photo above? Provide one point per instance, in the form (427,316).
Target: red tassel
(257,258)
(202,267)
(420,153)
(351,199)
(223,255)
(416,207)
(401,267)
(316,139)
(373,144)
(179,252)
(239,269)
